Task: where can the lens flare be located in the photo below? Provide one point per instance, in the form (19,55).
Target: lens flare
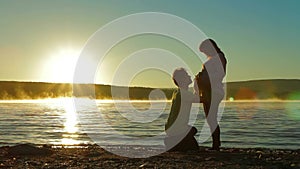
(245,94)
(292,107)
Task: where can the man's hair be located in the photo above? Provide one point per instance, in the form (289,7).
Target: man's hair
(177,75)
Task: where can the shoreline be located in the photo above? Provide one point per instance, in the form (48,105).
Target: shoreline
(93,156)
(108,100)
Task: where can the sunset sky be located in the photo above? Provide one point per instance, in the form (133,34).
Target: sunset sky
(41,40)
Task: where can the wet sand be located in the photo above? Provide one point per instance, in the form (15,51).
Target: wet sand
(93,156)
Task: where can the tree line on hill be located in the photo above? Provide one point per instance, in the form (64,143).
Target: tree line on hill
(10,90)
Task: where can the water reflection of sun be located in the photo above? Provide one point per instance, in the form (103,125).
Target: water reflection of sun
(70,125)
(71,117)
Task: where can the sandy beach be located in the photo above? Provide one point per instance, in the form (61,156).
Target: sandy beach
(93,156)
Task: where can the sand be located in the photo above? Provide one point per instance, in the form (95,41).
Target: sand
(93,156)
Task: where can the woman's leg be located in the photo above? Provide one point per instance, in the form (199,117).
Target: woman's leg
(211,113)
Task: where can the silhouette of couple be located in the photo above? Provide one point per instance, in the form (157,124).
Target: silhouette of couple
(208,90)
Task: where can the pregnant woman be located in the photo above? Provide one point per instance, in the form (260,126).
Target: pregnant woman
(210,86)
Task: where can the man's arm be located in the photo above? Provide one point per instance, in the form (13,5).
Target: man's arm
(196,95)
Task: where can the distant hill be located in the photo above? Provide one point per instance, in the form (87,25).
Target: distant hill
(264,89)
(258,89)
(38,90)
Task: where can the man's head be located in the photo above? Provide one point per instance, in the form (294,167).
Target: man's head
(181,78)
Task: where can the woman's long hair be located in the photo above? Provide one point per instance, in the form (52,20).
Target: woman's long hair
(210,47)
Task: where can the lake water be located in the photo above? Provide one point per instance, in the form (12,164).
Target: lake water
(55,121)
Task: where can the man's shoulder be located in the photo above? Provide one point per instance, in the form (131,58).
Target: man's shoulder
(176,94)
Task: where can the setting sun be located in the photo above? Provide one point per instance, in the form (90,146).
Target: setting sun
(61,65)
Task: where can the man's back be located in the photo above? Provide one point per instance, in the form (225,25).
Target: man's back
(180,112)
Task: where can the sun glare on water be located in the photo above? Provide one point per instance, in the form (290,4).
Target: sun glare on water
(71,117)
(70,125)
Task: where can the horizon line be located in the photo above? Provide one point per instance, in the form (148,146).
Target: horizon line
(29,81)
